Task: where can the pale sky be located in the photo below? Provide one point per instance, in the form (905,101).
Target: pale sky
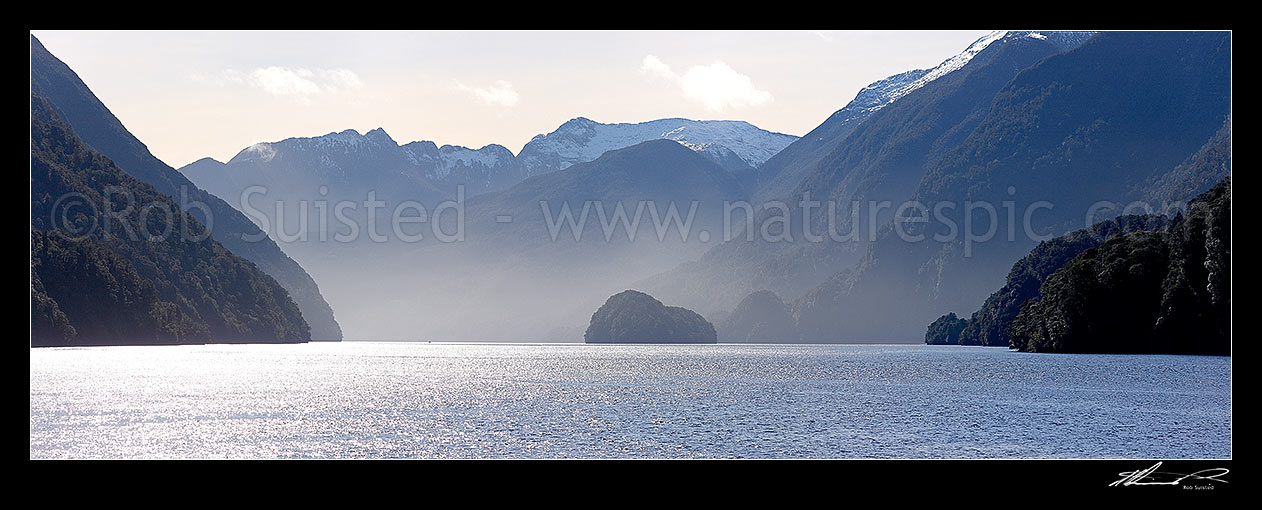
(189,95)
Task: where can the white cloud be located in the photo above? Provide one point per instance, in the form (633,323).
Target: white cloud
(340,79)
(717,86)
(298,83)
(500,93)
(654,65)
(284,81)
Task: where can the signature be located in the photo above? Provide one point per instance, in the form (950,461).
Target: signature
(1151,476)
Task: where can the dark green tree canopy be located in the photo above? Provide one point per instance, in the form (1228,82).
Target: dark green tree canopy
(121,263)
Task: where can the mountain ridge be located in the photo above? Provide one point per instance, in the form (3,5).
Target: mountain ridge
(109,275)
(1076,129)
(877,151)
(100,129)
(736,145)
(520,259)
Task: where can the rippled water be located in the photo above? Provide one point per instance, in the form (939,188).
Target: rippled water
(400,400)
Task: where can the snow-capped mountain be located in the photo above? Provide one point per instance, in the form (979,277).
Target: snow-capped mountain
(735,145)
(886,91)
(490,168)
(784,171)
(883,92)
(332,154)
(351,162)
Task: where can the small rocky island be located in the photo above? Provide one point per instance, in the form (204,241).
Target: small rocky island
(633,317)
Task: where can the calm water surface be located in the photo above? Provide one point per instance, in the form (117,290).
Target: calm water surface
(401,400)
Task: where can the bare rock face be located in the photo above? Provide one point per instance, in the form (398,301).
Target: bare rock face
(634,317)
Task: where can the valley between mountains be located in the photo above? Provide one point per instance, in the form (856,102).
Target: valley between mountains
(1068,187)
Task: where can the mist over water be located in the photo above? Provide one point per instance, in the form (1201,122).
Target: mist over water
(472,292)
(463,279)
(418,400)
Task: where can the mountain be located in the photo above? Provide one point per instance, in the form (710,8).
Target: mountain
(94,296)
(874,151)
(347,165)
(351,164)
(659,172)
(1074,135)
(759,318)
(887,155)
(1198,172)
(201,166)
(1154,292)
(492,167)
(541,254)
(780,175)
(988,326)
(116,262)
(734,145)
(290,188)
(73,102)
(632,317)
(291,178)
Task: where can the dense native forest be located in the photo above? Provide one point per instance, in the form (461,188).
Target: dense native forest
(114,261)
(1135,284)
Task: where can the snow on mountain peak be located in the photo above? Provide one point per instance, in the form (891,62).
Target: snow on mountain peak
(262,152)
(581,140)
(878,94)
(453,156)
(1065,41)
(438,163)
(948,65)
(883,92)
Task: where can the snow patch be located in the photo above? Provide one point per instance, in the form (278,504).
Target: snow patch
(949,65)
(567,146)
(453,156)
(262,151)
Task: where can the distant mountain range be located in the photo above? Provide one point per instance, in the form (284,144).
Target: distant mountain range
(348,161)
(288,178)
(735,145)
(1051,130)
(661,172)
(1066,117)
(350,164)
(538,256)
